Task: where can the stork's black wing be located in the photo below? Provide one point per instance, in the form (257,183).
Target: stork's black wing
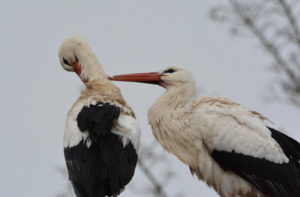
(105,167)
(272,179)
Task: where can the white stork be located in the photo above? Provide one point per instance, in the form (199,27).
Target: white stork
(102,136)
(225,144)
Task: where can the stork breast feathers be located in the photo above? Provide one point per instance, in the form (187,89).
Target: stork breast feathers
(227,126)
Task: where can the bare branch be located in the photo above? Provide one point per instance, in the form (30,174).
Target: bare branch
(289,15)
(158,189)
(274,24)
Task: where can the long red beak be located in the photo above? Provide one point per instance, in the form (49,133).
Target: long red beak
(77,69)
(152,78)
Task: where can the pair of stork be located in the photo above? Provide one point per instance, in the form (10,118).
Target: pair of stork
(224,144)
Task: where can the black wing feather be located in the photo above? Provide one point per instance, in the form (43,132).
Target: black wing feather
(280,180)
(106,166)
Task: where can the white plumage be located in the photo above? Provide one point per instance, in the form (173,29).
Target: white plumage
(129,130)
(225,125)
(225,144)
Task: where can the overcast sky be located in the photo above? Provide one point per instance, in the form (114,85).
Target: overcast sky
(127,37)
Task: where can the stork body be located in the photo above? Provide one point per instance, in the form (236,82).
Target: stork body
(102,136)
(225,144)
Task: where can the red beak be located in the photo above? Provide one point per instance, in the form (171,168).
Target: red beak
(77,69)
(152,78)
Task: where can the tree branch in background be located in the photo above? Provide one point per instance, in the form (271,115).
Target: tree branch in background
(274,24)
(148,158)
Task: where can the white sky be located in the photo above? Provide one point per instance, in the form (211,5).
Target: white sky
(127,37)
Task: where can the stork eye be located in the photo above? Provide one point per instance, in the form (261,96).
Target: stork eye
(66,62)
(170,71)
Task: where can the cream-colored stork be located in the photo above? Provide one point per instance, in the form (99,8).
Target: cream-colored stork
(225,144)
(102,136)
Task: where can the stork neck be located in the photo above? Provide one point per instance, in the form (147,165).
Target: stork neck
(175,97)
(92,70)
(169,103)
(91,67)
(103,87)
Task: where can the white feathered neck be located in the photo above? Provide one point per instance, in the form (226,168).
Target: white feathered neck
(173,100)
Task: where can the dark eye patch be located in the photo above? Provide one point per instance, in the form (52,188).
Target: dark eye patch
(170,71)
(66,62)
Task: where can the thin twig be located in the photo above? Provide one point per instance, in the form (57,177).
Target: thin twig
(269,46)
(289,14)
(158,188)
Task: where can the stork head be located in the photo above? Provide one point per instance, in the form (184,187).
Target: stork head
(175,76)
(169,78)
(75,55)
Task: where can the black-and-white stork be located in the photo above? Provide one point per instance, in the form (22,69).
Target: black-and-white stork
(225,144)
(102,136)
